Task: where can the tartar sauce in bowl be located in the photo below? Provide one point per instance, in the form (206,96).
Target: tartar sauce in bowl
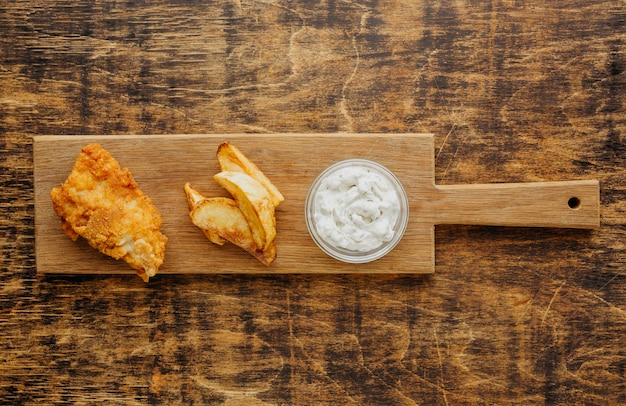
(356,211)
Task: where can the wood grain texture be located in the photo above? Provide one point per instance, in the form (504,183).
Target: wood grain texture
(287,159)
(513,91)
(567,204)
(291,161)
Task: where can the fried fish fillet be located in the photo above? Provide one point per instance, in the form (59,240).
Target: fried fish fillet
(101,202)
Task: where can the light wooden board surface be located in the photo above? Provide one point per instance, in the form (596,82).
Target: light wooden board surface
(162,164)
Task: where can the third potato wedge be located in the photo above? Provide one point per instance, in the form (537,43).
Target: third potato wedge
(221,216)
(194,199)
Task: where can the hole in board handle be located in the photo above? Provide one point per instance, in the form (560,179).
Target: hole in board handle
(573,203)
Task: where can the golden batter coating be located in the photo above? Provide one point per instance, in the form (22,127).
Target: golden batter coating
(101,202)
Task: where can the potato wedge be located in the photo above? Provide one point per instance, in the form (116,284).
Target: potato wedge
(221,216)
(255,203)
(194,199)
(248,219)
(193,196)
(268,255)
(231,159)
(221,220)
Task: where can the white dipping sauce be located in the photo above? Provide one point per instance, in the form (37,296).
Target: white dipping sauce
(356,209)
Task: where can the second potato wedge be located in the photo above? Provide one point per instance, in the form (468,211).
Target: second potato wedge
(255,202)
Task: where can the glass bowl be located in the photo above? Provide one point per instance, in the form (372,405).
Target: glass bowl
(356,211)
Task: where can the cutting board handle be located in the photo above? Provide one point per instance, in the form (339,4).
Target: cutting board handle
(566,204)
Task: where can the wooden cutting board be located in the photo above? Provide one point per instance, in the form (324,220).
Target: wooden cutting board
(162,164)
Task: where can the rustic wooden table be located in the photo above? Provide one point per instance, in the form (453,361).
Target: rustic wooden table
(513,91)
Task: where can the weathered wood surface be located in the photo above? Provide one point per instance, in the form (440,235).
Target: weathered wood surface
(514,91)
